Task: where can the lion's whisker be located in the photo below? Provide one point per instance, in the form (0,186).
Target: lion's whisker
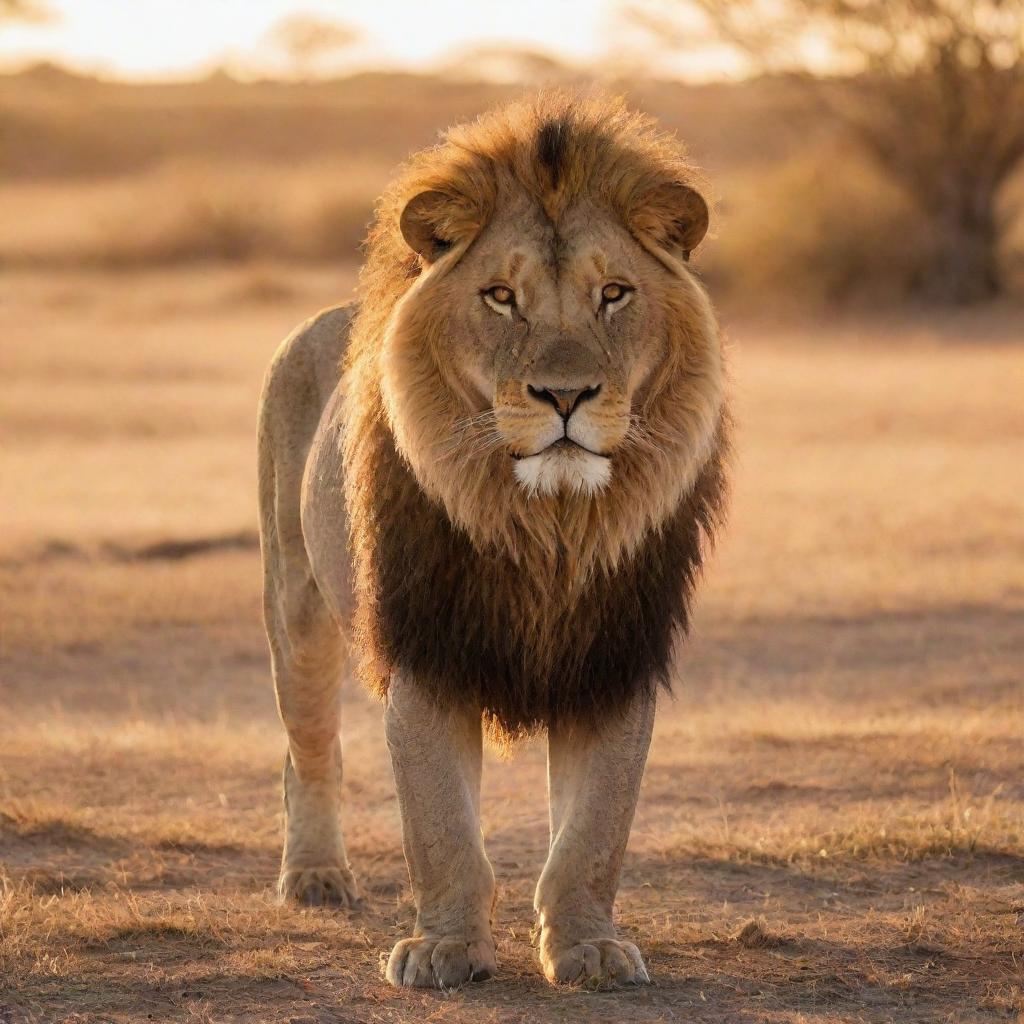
(486,441)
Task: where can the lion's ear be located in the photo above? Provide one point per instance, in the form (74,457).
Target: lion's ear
(673,217)
(432,222)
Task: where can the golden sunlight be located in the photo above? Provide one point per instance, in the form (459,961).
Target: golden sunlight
(168,39)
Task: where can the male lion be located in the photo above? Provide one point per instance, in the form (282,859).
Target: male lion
(515,438)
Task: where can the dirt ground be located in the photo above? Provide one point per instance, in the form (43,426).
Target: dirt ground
(832,823)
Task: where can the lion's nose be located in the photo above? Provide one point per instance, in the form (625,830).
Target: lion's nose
(565,400)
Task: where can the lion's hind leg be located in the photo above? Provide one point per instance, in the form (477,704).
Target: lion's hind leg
(307,653)
(306,645)
(307,656)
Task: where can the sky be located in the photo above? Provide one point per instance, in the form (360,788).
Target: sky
(161,39)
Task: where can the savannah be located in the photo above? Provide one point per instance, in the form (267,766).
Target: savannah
(831,826)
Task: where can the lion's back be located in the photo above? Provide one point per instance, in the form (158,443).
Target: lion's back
(306,368)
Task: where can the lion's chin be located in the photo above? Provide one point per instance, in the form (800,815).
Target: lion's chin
(560,469)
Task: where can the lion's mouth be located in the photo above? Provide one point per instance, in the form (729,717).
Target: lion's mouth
(563,444)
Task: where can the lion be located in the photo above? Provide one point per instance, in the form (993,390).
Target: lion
(493,480)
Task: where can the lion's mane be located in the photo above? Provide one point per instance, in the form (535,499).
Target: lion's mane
(546,610)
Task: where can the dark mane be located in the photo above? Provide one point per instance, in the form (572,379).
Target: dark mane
(475,626)
(552,146)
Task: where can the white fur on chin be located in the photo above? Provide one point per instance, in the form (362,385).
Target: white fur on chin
(576,471)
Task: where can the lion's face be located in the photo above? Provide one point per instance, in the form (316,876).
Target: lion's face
(553,342)
(548,339)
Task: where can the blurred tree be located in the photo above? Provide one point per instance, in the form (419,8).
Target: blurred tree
(933,90)
(308,40)
(511,64)
(24,10)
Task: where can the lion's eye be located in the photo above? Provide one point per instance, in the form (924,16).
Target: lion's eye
(500,298)
(502,295)
(612,293)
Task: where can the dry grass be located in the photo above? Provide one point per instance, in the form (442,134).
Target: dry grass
(831,824)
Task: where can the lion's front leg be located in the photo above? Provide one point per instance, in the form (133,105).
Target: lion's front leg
(594,782)
(436,758)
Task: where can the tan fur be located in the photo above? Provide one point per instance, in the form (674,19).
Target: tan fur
(510,558)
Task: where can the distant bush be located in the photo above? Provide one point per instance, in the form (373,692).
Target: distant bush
(821,228)
(213,223)
(334,227)
(193,211)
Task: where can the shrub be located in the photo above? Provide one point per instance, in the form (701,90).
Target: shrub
(822,228)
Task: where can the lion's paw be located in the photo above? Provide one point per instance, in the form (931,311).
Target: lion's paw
(439,963)
(597,963)
(320,887)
